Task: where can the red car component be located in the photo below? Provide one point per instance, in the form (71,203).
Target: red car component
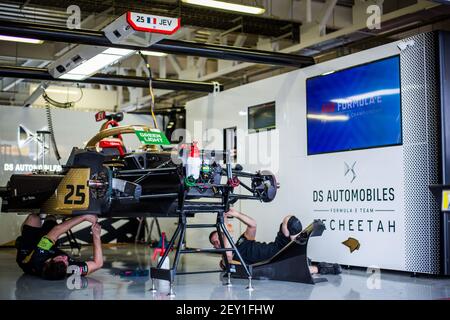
(113,143)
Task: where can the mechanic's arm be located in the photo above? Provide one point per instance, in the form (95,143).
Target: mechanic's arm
(32,220)
(229,254)
(250,232)
(62,228)
(97,247)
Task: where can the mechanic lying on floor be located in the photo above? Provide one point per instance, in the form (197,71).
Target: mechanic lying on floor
(253,251)
(38,253)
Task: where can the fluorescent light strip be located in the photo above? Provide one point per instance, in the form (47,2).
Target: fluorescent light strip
(70,76)
(20,39)
(118,52)
(96,63)
(226,6)
(154,53)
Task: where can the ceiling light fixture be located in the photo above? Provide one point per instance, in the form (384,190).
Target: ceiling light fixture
(154,53)
(226,6)
(20,39)
(131,28)
(96,63)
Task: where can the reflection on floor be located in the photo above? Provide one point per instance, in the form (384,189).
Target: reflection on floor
(109,284)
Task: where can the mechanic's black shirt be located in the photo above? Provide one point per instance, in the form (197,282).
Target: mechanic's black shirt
(34,249)
(253,251)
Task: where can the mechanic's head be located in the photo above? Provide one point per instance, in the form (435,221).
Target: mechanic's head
(55,268)
(214,239)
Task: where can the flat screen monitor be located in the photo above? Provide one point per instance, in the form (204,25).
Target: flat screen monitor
(261,117)
(355,108)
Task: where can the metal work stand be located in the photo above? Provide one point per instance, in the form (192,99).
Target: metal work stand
(149,230)
(158,228)
(186,207)
(73,243)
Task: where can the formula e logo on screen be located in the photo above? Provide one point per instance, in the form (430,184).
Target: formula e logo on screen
(351,103)
(329,107)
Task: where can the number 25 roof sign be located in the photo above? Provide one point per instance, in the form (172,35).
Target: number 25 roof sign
(152,23)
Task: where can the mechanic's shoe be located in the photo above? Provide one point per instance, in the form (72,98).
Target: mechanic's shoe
(337,268)
(329,268)
(294,226)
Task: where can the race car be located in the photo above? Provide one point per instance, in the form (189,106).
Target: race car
(105,179)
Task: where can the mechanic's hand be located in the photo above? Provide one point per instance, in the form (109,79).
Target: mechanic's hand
(231,213)
(91,218)
(222,265)
(96,230)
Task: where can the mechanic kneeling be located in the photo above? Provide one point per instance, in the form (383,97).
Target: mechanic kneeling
(38,254)
(253,251)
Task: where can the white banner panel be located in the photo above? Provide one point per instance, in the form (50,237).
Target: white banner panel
(358,195)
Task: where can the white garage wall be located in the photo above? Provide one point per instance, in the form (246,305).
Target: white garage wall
(287,158)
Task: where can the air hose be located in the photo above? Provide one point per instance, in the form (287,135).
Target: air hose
(190,181)
(150,87)
(63,105)
(52,135)
(49,101)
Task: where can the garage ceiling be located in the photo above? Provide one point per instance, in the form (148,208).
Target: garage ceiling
(284,27)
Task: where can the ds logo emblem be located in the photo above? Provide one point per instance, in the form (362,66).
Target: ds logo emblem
(350,170)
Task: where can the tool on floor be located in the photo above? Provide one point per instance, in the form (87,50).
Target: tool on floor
(161,248)
(134,273)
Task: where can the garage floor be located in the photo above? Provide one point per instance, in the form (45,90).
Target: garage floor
(108,284)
